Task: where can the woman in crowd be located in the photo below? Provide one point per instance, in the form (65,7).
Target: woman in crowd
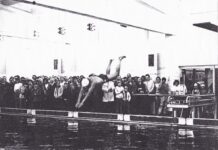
(58,93)
(140,86)
(175,88)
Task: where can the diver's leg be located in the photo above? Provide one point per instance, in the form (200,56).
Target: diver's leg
(117,72)
(108,70)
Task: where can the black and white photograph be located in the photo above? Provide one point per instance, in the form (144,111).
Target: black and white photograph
(109,74)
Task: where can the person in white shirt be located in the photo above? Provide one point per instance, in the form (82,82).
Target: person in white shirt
(149,84)
(175,88)
(108,89)
(108,96)
(119,90)
(150,89)
(17,87)
(178,88)
(182,88)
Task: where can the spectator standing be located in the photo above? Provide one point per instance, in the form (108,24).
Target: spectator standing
(29,93)
(203,89)
(157,87)
(149,84)
(17,87)
(58,92)
(50,93)
(66,96)
(22,101)
(150,89)
(126,100)
(182,87)
(5,87)
(37,96)
(175,88)
(196,89)
(164,89)
(140,87)
(108,96)
(119,97)
(11,101)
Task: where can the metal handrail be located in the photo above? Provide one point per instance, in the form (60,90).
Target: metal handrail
(198,97)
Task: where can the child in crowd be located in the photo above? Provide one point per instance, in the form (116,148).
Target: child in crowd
(126,100)
(119,90)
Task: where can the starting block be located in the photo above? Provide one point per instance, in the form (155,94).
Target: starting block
(75,114)
(120,117)
(126,117)
(181,121)
(185,121)
(70,114)
(189,121)
(31,111)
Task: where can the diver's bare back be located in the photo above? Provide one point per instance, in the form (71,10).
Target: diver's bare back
(96,79)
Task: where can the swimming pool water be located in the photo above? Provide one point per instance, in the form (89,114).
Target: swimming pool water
(44,133)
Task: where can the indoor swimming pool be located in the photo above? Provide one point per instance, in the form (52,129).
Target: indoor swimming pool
(44,133)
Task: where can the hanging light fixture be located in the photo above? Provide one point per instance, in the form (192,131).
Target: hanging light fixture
(61,30)
(35,33)
(90,27)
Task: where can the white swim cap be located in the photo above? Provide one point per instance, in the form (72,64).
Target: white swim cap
(85,82)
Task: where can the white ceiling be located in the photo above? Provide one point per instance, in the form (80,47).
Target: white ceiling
(152,14)
(193,10)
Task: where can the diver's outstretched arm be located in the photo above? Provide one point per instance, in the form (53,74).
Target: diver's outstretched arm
(91,89)
(79,97)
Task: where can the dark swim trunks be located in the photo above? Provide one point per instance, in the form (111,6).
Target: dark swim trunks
(103,77)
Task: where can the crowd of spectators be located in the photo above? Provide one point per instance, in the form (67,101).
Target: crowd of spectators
(60,92)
